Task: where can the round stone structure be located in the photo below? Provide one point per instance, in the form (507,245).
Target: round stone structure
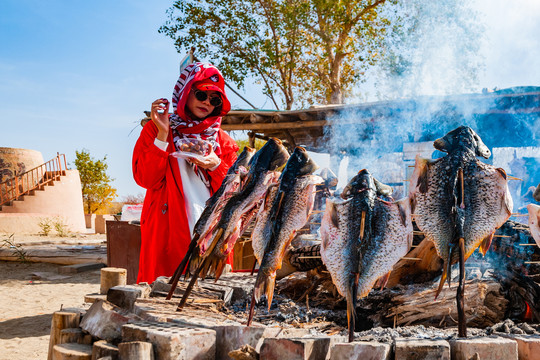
(15,161)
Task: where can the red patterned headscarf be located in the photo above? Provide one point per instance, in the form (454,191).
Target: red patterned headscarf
(206,129)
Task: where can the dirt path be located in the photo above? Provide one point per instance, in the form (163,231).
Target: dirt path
(27,301)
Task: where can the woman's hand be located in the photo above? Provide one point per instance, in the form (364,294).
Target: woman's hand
(210,161)
(160,116)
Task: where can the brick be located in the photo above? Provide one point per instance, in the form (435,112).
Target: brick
(126,295)
(295,348)
(417,349)
(231,337)
(528,346)
(361,350)
(104,320)
(486,348)
(172,341)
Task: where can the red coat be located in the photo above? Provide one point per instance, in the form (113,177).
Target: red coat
(165,235)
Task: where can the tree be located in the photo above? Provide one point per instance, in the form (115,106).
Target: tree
(96,189)
(306,50)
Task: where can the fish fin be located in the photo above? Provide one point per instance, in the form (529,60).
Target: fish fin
(383,280)
(264,284)
(486,243)
(423,177)
(404,207)
(503,173)
(219,268)
(333,213)
(443,279)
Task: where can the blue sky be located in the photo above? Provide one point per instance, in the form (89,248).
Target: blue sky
(79,74)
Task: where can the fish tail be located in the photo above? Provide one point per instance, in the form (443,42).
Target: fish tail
(443,278)
(486,243)
(219,267)
(265,285)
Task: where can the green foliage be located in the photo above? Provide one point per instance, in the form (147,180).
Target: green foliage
(245,142)
(17,249)
(45,224)
(96,189)
(61,228)
(305,51)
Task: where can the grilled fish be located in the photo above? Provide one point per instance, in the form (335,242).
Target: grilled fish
(457,196)
(242,206)
(289,211)
(534,222)
(363,236)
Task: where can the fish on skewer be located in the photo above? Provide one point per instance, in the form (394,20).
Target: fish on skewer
(242,207)
(287,209)
(218,241)
(211,213)
(363,236)
(479,206)
(459,202)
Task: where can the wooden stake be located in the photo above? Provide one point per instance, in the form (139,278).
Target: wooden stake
(513,178)
(518,214)
(362,225)
(527,245)
(409,258)
(112,276)
(502,236)
(61,320)
(460,293)
(309,257)
(135,350)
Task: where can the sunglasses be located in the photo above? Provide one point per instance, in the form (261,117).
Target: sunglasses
(214,100)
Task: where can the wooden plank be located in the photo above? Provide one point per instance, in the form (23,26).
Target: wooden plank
(276,126)
(78,268)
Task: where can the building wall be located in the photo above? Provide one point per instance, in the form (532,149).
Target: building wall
(62,202)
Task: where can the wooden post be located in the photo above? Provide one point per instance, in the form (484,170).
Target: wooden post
(71,335)
(61,320)
(72,352)
(111,276)
(102,348)
(135,350)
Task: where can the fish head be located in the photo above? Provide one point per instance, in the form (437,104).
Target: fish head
(245,156)
(299,164)
(360,182)
(462,138)
(270,157)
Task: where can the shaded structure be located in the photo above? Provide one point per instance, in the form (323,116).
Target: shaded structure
(495,114)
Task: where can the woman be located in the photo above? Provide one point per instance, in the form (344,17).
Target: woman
(177,188)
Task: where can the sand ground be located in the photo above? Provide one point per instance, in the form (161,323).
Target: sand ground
(31,292)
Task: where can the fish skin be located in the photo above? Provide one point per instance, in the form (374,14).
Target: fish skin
(262,231)
(440,215)
(534,222)
(392,235)
(340,243)
(289,211)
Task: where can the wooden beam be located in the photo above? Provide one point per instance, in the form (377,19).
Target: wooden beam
(276,126)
